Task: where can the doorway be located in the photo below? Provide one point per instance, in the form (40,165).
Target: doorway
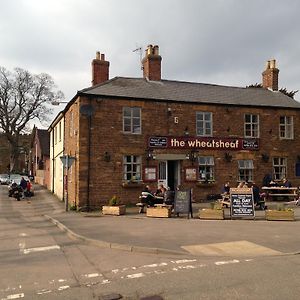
(169,173)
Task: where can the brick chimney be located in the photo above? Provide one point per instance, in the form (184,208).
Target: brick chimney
(270,76)
(100,69)
(152,63)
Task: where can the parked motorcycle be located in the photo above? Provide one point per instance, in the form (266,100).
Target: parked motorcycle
(16,191)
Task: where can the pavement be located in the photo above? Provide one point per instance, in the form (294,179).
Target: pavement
(176,235)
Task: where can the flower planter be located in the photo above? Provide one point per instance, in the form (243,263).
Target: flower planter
(158,212)
(211,214)
(280,215)
(114,210)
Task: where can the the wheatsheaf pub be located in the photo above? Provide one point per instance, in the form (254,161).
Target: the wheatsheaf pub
(125,133)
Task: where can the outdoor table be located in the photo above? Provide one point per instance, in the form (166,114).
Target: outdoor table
(280,191)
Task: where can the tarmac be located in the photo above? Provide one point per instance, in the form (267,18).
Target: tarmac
(181,235)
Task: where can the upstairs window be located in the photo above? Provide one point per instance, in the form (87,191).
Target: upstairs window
(204,123)
(132,168)
(206,168)
(279,168)
(251,126)
(132,120)
(245,170)
(286,127)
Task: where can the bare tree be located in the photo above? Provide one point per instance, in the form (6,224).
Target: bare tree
(23,97)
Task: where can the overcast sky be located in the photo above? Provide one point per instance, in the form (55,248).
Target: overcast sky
(223,42)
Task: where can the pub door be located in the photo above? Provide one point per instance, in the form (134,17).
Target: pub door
(169,173)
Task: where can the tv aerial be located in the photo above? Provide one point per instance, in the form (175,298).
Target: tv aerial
(139,51)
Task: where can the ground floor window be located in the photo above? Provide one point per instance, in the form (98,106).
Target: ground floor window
(279,168)
(206,168)
(245,170)
(132,168)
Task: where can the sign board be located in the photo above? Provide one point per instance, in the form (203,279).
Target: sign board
(202,143)
(183,202)
(67,161)
(241,203)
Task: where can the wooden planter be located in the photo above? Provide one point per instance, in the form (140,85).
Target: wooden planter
(280,215)
(211,214)
(114,210)
(158,212)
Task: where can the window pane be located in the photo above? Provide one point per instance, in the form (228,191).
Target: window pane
(136,112)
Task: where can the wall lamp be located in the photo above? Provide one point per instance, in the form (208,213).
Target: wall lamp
(149,154)
(106,156)
(265,157)
(228,157)
(192,156)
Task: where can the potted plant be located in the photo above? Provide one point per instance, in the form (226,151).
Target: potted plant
(215,212)
(114,207)
(159,211)
(281,213)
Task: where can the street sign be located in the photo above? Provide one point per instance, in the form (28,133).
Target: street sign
(67,161)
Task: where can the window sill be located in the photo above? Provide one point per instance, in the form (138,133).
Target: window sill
(206,184)
(132,184)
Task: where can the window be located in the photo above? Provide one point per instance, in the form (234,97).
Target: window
(132,120)
(55,135)
(286,127)
(206,168)
(71,123)
(279,168)
(204,123)
(245,170)
(251,129)
(132,168)
(59,132)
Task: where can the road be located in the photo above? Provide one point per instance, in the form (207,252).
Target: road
(39,261)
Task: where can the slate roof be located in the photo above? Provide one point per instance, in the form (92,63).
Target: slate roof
(179,91)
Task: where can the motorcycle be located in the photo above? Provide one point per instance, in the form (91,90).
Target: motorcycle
(16,191)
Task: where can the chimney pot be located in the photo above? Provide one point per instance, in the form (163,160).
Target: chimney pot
(100,69)
(152,63)
(270,76)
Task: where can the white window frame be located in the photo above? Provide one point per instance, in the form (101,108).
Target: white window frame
(132,168)
(245,170)
(279,168)
(286,127)
(206,167)
(204,123)
(131,118)
(251,126)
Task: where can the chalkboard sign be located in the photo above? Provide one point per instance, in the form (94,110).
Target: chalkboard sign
(183,203)
(241,203)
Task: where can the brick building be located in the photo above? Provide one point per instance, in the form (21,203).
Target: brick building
(128,132)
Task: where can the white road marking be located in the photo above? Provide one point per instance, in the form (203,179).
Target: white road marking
(15,296)
(92,275)
(234,261)
(23,234)
(41,292)
(64,287)
(39,249)
(137,275)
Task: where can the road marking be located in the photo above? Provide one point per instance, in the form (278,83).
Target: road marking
(39,249)
(15,296)
(44,291)
(234,261)
(64,287)
(92,275)
(137,275)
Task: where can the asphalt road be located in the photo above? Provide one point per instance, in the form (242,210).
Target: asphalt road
(39,261)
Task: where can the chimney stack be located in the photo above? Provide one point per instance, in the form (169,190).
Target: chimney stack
(270,76)
(100,69)
(152,63)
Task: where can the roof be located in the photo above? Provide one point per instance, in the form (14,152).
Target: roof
(179,91)
(44,137)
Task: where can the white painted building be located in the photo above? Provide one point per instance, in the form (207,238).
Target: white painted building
(56,130)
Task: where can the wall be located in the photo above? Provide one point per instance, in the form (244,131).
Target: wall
(107,136)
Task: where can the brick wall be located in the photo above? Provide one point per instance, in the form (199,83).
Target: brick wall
(107,135)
